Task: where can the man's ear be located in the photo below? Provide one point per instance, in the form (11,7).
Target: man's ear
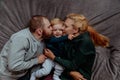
(39,31)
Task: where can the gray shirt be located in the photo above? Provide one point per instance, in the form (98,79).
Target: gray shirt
(19,54)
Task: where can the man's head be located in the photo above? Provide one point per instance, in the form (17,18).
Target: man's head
(40,26)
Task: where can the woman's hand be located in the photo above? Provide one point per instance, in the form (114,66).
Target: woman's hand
(49,54)
(77,76)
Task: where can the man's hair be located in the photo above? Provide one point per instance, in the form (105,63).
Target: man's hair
(36,22)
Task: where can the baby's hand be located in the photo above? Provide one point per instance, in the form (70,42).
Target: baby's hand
(70,36)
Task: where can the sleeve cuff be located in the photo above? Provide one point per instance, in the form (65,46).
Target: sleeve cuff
(35,61)
(56,59)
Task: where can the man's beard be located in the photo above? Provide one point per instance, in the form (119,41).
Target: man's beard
(46,35)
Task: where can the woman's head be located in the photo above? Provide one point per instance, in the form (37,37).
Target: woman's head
(77,22)
(58,26)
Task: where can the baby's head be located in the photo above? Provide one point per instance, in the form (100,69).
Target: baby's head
(58,27)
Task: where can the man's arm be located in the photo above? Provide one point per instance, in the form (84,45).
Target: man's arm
(16,55)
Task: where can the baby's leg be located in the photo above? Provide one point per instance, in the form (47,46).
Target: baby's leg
(47,67)
(58,70)
(33,76)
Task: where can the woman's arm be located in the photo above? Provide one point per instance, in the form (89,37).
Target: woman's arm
(69,64)
(77,76)
(56,40)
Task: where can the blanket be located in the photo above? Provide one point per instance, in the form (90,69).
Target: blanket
(103,15)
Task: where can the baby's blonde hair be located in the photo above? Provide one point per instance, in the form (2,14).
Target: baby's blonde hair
(81,23)
(56,21)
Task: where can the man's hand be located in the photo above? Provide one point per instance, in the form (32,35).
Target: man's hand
(49,54)
(41,58)
(77,76)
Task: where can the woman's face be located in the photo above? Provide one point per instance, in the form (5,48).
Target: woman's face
(69,28)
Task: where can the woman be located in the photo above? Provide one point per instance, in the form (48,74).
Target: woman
(79,53)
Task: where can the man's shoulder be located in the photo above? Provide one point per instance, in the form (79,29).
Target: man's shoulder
(22,33)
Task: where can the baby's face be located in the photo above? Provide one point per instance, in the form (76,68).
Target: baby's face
(58,30)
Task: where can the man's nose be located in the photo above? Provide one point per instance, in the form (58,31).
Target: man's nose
(51,28)
(64,31)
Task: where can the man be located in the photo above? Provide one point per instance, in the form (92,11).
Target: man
(24,49)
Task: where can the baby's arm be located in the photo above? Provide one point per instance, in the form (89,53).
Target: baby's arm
(59,39)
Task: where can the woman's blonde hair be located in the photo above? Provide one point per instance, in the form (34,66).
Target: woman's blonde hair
(81,23)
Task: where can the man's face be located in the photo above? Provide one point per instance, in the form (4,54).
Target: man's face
(47,29)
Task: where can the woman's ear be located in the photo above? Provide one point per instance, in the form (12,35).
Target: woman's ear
(75,30)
